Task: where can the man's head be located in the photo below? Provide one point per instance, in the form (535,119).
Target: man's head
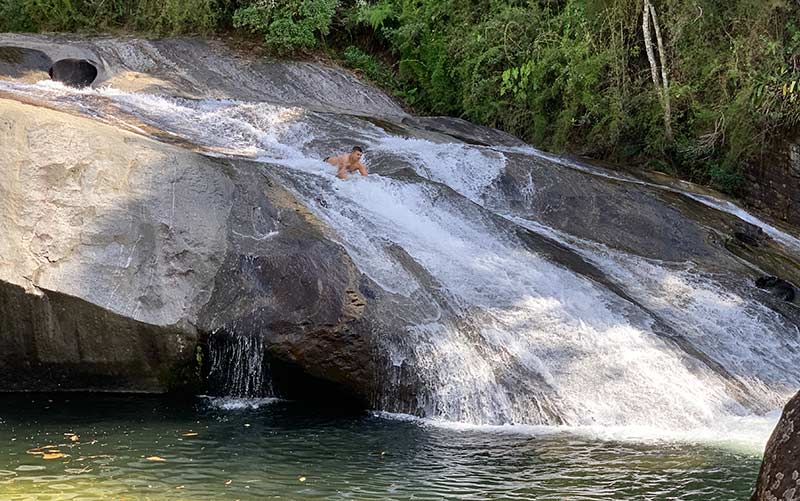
(355,154)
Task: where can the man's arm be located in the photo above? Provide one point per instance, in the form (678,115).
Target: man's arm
(341,172)
(362,168)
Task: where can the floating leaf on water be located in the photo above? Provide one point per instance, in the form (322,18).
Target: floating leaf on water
(229,482)
(54,455)
(302,479)
(190,434)
(155,458)
(36,451)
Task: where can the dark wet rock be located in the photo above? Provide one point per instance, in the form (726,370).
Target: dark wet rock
(779,478)
(749,234)
(773,180)
(21,64)
(779,287)
(621,215)
(641,219)
(283,279)
(51,341)
(464,131)
(73,72)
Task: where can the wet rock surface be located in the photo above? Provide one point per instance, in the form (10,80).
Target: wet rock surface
(779,478)
(156,248)
(778,287)
(55,342)
(151,218)
(464,131)
(773,182)
(196,68)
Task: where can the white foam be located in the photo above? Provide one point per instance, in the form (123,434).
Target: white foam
(752,342)
(235,404)
(745,434)
(466,169)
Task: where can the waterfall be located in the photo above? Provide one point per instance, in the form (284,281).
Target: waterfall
(514,336)
(238,366)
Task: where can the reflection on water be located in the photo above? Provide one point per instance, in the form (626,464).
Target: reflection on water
(153,448)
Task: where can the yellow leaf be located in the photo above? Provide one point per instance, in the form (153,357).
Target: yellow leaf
(228,482)
(155,458)
(53,455)
(302,479)
(190,434)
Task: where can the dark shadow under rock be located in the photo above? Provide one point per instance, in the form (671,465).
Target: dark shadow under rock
(29,65)
(73,72)
(54,342)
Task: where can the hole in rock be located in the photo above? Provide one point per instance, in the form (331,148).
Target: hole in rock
(73,72)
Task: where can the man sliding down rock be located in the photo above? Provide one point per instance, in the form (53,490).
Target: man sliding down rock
(349,162)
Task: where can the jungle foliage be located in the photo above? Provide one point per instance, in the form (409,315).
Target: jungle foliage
(562,74)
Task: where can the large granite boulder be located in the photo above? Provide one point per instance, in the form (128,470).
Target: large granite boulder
(779,478)
(120,255)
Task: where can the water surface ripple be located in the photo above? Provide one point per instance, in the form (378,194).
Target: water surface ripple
(132,447)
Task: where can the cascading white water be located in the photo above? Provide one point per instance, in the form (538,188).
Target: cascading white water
(529,341)
(238,367)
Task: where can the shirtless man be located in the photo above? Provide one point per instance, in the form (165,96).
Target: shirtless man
(349,162)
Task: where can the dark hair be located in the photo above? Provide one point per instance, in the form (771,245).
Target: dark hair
(358,149)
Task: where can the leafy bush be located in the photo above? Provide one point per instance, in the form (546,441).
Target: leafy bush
(287,25)
(151,16)
(370,67)
(175,16)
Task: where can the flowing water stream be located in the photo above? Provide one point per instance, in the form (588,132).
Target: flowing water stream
(515,341)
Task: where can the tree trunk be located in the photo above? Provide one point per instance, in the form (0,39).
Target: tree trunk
(661,82)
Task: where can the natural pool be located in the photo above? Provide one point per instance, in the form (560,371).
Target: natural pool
(137,447)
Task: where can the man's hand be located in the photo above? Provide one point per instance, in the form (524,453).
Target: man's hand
(362,168)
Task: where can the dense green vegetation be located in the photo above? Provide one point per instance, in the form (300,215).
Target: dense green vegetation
(562,74)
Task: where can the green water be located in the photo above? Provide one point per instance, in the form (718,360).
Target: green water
(287,450)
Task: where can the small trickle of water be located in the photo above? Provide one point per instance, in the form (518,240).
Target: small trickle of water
(238,366)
